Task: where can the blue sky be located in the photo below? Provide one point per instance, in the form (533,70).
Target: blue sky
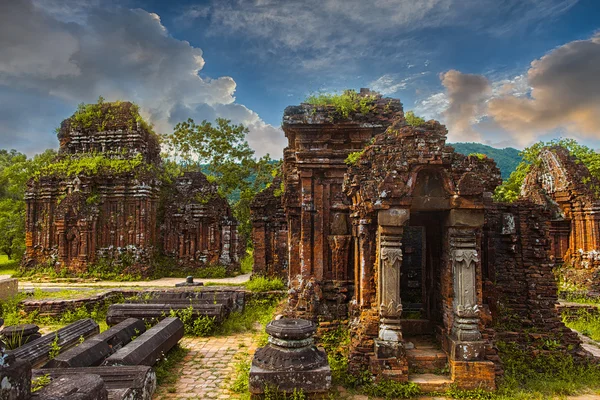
(500,72)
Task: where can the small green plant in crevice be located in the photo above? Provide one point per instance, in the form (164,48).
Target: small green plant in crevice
(413,120)
(353,157)
(40,382)
(479,156)
(336,343)
(265,284)
(54,348)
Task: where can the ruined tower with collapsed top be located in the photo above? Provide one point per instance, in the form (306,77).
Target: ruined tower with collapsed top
(100,202)
(394,235)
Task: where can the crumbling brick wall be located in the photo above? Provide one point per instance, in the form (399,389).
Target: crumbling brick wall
(520,287)
(270,232)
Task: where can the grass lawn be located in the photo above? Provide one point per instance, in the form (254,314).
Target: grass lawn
(8,267)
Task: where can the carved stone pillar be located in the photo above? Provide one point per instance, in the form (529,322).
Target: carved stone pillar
(365,265)
(390,261)
(225,258)
(466,311)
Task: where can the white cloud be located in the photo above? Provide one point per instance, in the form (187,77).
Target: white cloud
(391,83)
(116,53)
(558,96)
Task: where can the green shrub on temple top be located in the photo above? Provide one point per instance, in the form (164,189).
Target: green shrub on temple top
(108,115)
(346,103)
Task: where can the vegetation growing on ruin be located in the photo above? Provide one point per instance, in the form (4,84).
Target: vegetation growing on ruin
(510,190)
(104,115)
(584,322)
(346,103)
(413,120)
(480,156)
(353,157)
(92,164)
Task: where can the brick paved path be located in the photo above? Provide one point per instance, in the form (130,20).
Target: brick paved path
(208,368)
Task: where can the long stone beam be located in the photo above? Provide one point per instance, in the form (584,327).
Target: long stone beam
(38,351)
(97,348)
(151,345)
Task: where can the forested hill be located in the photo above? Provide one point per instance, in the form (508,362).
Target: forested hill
(507,159)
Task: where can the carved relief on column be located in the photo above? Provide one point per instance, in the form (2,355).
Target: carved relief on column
(339,245)
(390,262)
(225,258)
(466,311)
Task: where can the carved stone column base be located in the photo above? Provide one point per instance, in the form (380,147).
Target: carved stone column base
(390,332)
(464,350)
(466,328)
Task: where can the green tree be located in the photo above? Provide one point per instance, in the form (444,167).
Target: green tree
(221,151)
(15,170)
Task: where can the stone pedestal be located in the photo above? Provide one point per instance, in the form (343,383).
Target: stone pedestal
(290,361)
(8,288)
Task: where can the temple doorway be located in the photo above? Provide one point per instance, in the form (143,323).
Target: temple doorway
(420,282)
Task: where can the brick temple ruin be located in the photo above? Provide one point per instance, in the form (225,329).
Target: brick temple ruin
(564,186)
(403,244)
(123,213)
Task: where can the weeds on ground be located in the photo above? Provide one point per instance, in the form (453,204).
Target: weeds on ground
(256,311)
(193,324)
(164,368)
(8,266)
(247,262)
(265,284)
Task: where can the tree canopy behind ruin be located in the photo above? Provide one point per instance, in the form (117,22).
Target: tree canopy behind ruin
(510,190)
(15,170)
(221,151)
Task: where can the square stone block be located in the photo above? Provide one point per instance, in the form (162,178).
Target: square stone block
(470,375)
(311,381)
(8,288)
(465,351)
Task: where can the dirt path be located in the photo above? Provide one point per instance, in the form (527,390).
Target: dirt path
(163,282)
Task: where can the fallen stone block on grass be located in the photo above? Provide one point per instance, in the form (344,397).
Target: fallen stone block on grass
(151,345)
(95,350)
(122,382)
(38,352)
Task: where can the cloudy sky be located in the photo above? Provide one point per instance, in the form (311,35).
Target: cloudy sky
(500,72)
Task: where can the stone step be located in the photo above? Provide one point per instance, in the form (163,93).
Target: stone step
(426,360)
(150,346)
(431,383)
(154,312)
(37,351)
(97,348)
(125,382)
(425,356)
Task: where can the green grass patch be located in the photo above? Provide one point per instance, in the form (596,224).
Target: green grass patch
(256,315)
(586,323)
(264,284)
(7,266)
